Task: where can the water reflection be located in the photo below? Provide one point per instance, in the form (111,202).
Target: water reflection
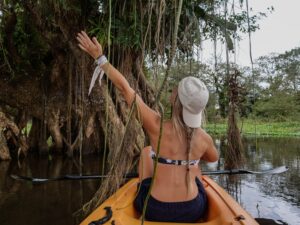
(277,152)
(51,203)
(267,196)
(276,197)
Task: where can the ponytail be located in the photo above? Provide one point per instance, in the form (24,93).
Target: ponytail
(183,131)
(189,136)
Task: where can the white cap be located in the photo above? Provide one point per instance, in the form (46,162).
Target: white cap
(193,95)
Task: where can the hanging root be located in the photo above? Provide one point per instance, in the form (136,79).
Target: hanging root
(173,50)
(54,128)
(121,162)
(10,131)
(234,155)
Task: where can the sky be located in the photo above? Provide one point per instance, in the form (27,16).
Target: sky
(279,31)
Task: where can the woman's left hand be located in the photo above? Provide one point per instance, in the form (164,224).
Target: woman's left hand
(92,47)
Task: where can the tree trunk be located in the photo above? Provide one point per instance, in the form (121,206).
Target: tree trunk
(10,131)
(55,98)
(4,151)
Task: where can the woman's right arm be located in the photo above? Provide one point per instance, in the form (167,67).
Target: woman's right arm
(211,154)
(149,117)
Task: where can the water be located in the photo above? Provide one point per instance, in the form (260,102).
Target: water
(267,196)
(275,197)
(51,203)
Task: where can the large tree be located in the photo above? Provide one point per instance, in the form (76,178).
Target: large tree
(45,77)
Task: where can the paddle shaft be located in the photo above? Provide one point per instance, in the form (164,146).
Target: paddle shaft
(277,170)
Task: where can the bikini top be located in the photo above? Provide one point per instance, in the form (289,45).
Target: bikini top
(162,160)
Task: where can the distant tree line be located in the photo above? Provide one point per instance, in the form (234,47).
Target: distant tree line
(271,92)
(279,90)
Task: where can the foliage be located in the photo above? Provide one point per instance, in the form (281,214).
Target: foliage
(251,127)
(146,25)
(271,98)
(23,47)
(270,92)
(134,25)
(278,107)
(279,94)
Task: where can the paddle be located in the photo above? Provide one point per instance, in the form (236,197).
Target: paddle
(277,170)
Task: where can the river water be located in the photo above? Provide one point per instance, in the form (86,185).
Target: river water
(275,197)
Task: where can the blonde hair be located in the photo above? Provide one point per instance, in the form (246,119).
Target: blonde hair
(183,131)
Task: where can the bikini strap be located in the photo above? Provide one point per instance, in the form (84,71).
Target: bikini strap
(174,161)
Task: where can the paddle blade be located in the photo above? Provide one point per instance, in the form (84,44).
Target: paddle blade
(16,177)
(278,170)
(33,180)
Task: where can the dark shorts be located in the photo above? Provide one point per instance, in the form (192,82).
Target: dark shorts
(180,212)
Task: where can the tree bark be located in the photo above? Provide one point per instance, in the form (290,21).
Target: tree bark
(55,97)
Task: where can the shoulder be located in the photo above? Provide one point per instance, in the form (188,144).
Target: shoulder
(204,136)
(205,140)
(210,153)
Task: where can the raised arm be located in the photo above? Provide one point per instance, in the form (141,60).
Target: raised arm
(149,117)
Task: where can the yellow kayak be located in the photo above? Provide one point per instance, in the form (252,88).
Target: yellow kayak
(119,209)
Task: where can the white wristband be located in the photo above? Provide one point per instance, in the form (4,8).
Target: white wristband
(98,72)
(100,61)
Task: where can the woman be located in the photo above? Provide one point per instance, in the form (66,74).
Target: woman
(177,194)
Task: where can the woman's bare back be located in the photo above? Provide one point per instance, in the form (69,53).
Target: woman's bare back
(170,182)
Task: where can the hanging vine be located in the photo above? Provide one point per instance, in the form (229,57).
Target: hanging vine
(107,93)
(251,59)
(172,52)
(120,165)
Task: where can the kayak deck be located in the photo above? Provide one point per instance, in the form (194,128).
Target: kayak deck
(222,208)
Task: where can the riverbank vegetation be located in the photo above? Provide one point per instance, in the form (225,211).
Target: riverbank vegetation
(251,127)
